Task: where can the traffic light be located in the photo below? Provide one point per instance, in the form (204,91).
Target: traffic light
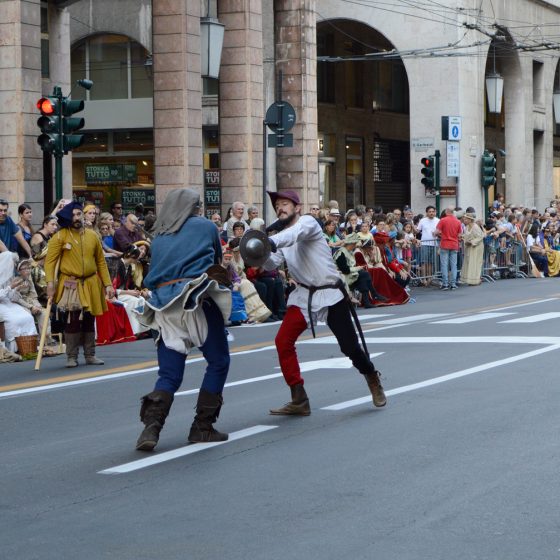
(50,124)
(488,169)
(72,124)
(428,172)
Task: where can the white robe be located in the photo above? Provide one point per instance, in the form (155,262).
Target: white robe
(18,321)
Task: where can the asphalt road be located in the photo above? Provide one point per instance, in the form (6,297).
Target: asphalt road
(461,464)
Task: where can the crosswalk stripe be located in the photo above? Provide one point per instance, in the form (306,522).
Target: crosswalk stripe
(409,319)
(182,451)
(534,318)
(470,318)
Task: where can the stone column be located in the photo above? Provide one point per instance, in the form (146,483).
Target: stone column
(20,88)
(296,56)
(241,102)
(177,96)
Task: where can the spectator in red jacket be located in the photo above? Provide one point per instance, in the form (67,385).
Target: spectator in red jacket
(449,230)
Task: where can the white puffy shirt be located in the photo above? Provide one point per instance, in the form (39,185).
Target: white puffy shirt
(309,259)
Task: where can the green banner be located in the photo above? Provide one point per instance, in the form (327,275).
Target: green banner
(101,174)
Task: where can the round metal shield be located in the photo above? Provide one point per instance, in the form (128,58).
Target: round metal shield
(254,248)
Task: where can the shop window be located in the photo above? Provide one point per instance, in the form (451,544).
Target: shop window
(354,171)
(118,67)
(133,140)
(94,142)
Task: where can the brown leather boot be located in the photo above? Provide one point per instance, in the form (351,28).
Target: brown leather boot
(374,384)
(299,405)
(208,409)
(89,350)
(72,341)
(153,412)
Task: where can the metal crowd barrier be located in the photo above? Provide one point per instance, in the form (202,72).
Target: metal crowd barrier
(500,260)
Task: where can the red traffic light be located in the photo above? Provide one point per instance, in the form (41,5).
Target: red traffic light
(46,106)
(426,161)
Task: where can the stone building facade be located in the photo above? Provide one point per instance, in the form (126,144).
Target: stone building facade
(369,86)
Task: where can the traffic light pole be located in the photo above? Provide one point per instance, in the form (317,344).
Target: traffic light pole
(437,155)
(57,92)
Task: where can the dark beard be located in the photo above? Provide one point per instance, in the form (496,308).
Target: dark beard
(77,225)
(283,223)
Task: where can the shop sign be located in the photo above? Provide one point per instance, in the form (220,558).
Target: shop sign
(132,197)
(450,190)
(211,176)
(99,174)
(83,197)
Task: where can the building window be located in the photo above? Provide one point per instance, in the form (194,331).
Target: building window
(390,89)
(325,70)
(117,66)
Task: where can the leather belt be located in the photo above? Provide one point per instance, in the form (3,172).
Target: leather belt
(338,285)
(169,282)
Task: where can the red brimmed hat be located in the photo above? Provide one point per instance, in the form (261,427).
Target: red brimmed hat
(289,194)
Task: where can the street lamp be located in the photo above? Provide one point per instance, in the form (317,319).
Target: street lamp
(556,102)
(211,41)
(494,89)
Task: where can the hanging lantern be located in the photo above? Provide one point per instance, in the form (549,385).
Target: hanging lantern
(211,41)
(556,102)
(494,92)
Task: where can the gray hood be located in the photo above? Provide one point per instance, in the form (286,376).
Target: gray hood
(178,207)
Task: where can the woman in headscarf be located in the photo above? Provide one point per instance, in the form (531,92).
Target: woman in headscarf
(188,307)
(18,321)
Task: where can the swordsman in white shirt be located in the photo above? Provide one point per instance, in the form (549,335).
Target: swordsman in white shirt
(319,296)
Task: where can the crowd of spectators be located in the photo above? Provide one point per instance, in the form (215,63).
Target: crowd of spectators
(380,255)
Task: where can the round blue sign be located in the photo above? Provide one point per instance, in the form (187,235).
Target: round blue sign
(455,131)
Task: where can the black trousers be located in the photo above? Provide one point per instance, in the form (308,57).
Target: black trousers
(339,320)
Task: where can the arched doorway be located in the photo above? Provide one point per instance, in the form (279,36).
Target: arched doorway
(363,116)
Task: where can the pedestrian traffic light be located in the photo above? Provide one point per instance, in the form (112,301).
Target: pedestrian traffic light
(72,124)
(488,171)
(428,172)
(50,124)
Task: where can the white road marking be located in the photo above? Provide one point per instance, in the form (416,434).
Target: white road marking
(525,304)
(444,378)
(183,451)
(411,318)
(533,318)
(64,384)
(470,318)
(332,363)
(540,340)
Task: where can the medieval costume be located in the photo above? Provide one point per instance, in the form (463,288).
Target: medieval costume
(319,295)
(356,278)
(369,256)
(17,320)
(473,238)
(397,270)
(29,299)
(81,278)
(188,307)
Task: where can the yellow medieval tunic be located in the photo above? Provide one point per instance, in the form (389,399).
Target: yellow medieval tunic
(81,258)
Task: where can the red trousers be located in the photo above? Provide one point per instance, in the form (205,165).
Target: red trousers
(339,321)
(290,330)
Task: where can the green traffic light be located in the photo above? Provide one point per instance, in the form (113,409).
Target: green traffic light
(488,169)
